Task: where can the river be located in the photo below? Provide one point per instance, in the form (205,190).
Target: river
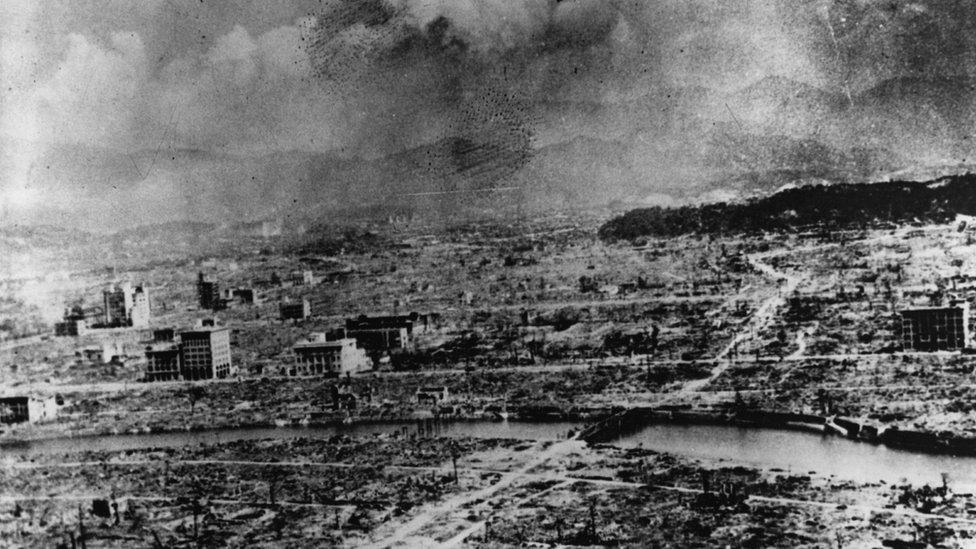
(797,452)
(801,452)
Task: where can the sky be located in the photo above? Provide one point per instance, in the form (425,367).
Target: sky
(369,78)
(121,74)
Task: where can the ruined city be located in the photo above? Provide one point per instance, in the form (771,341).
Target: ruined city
(484,273)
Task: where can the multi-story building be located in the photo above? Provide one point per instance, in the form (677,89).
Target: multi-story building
(295,311)
(319,356)
(70,327)
(208,293)
(305,277)
(139,310)
(381,333)
(241,296)
(115,304)
(164,335)
(25,409)
(205,353)
(935,328)
(105,353)
(124,305)
(74,323)
(163,362)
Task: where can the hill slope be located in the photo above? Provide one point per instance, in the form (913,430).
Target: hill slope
(836,206)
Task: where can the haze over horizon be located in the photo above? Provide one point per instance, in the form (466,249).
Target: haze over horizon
(115,114)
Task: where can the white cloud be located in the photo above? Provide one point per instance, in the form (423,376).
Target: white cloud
(233,57)
(283,54)
(107,94)
(88,97)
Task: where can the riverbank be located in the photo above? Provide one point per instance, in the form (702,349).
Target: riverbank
(765,440)
(384,489)
(515,430)
(583,393)
(257,402)
(417,421)
(604,425)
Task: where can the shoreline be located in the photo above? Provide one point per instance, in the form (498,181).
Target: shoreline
(599,426)
(921,442)
(430,422)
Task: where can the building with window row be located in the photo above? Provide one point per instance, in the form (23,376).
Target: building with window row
(27,409)
(205,353)
(319,356)
(935,328)
(124,305)
(295,311)
(201,353)
(163,362)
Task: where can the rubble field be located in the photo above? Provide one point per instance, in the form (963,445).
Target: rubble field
(532,320)
(392,489)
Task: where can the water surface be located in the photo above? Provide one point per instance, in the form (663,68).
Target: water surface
(802,452)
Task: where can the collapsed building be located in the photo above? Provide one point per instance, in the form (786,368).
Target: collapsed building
(432,395)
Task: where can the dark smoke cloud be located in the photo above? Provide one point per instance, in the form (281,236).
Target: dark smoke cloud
(444,53)
(458,66)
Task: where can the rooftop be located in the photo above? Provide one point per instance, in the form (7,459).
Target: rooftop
(319,340)
(203,330)
(162,347)
(931,309)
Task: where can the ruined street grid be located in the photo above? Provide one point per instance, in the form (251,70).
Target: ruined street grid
(537,321)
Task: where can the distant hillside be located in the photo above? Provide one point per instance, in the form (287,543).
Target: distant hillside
(25,239)
(672,145)
(842,205)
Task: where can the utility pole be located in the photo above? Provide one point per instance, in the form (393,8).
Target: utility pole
(81,528)
(592,526)
(454,456)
